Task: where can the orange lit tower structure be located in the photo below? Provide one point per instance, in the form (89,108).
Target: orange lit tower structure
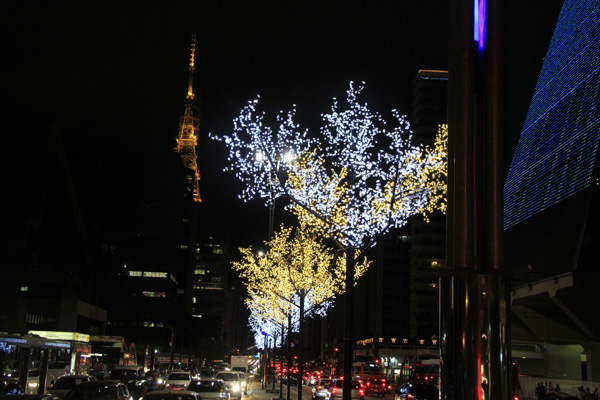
(188,132)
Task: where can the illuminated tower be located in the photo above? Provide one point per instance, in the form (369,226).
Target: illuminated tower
(188,133)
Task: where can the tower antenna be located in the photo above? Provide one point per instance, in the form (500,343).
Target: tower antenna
(188,132)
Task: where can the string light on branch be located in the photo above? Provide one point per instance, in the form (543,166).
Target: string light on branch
(359,180)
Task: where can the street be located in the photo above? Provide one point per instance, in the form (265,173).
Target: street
(257,393)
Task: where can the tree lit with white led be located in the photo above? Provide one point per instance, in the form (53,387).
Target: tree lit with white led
(354,184)
(359,180)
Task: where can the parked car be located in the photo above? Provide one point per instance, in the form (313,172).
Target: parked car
(99,390)
(337,390)
(172,395)
(209,389)
(417,391)
(376,386)
(178,380)
(65,383)
(10,386)
(321,389)
(233,382)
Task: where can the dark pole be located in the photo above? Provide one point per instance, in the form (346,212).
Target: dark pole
(281,362)
(348,328)
(473,294)
(265,361)
(272,363)
(289,360)
(301,345)
(172,347)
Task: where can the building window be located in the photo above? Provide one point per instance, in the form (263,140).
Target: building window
(134,273)
(200,271)
(208,286)
(154,294)
(151,274)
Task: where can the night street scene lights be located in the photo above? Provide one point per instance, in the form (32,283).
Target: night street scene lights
(353,187)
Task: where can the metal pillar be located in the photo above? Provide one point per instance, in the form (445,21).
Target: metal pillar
(473,294)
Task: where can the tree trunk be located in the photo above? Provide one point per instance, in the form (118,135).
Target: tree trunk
(348,339)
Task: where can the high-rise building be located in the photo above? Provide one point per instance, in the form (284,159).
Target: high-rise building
(551,206)
(427,238)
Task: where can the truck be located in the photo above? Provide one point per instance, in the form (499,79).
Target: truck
(239,363)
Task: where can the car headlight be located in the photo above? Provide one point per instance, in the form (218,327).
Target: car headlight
(235,388)
(243,384)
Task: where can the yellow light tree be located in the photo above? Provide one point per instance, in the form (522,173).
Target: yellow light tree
(297,265)
(298,276)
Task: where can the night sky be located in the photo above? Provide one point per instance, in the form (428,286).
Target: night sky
(109,78)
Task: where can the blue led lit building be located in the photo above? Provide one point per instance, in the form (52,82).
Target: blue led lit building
(555,157)
(551,208)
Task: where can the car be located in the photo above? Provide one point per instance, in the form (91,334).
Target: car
(206,373)
(417,391)
(320,389)
(178,380)
(311,379)
(209,389)
(140,385)
(10,386)
(233,382)
(65,383)
(244,382)
(166,394)
(121,371)
(337,390)
(99,390)
(375,386)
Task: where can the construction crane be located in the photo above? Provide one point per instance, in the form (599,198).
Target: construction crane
(188,132)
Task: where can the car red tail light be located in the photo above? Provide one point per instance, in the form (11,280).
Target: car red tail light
(334,390)
(319,387)
(361,392)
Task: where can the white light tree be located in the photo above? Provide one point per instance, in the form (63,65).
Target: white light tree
(355,184)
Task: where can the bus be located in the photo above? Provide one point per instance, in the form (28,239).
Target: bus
(34,361)
(366,370)
(421,370)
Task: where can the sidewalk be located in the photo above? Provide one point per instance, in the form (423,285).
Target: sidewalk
(258,393)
